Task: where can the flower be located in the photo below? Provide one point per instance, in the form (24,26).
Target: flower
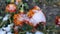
(11,8)
(36,16)
(18,19)
(32,11)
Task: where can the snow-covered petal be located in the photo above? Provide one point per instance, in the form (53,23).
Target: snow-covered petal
(38,32)
(37,17)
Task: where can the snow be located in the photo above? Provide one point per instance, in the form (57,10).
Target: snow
(6,30)
(38,32)
(9,33)
(6,17)
(2,32)
(28,32)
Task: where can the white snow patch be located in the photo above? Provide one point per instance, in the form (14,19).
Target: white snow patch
(28,32)
(6,17)
(38,32)
(8,28)
(2,32)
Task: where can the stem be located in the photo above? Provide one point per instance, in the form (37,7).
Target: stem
(53,32)
(1,23)
(10,17)
(10,20)
(48,31)
(33,0)
(12,1)
(22,32)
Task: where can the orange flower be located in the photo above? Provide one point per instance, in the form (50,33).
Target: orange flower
(11,8)
(31,12)
(17,20)
(35,15)
(36,8)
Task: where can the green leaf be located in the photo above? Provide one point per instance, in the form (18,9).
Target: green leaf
(0,17)
(8,0)
(26,5)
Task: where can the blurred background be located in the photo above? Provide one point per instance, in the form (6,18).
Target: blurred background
(51,8)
